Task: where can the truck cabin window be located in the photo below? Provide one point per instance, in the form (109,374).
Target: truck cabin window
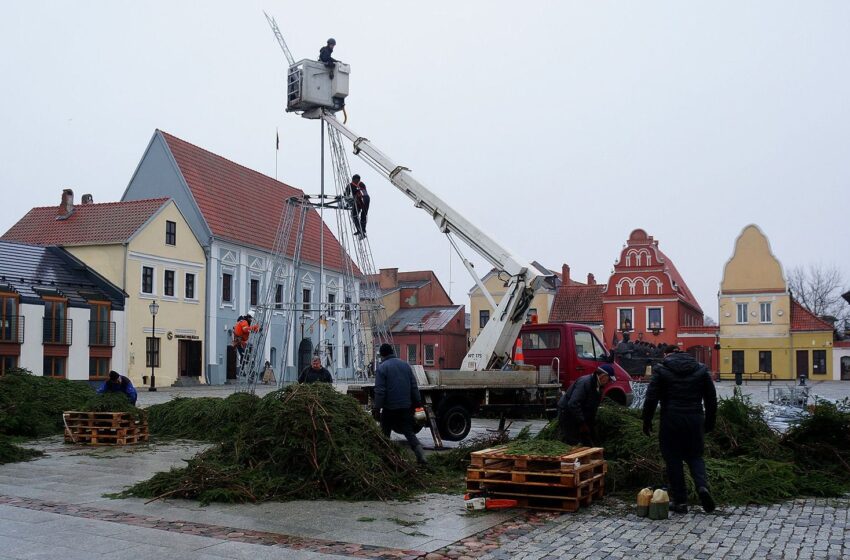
(541,340)
(588,347)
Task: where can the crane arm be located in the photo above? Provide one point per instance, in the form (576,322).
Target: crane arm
(492,348)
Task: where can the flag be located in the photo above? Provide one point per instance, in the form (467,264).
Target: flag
(277,140)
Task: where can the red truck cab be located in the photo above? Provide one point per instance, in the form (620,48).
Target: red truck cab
(571,351)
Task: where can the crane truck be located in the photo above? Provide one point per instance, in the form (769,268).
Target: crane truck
(487,378)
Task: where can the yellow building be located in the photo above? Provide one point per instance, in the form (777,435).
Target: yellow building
(481,310)
(146,248)
(763,331)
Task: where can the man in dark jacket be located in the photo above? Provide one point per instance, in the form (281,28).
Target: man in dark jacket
(578,405)
(315,373)
(683,386)
(117,383)
(325,55)
(396,396)
(356,191)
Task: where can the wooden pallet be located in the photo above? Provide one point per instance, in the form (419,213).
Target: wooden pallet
(104,428)
(539,481)
(550,476)
(497,458)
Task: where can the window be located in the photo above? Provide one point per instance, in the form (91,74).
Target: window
(765,312)
(742,313)
(588,346)
(531,315)
(98,368)
(170,233)
(226,287)
(168,285)
(483,318)
(346,356)
(819,361)
(7,363)
(411,353)
(147,279)
(541,340)
(101,330)
(331,306)
(396,351)
(11,327)
(331,357)
(429,354)
(54,366)
(625,319)
(306,298)
(255,291)
(766,360)
(654,318)
(347,308)
(278,296)
(56,327)
(189,291)
(152,352)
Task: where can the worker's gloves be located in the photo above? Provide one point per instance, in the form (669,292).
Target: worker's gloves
(376,413)
(647,428)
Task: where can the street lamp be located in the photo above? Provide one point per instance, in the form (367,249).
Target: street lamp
(154,308)
(421,327)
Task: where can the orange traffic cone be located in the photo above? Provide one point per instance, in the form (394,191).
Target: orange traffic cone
(519,359)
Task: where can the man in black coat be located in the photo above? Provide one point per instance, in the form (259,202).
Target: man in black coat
(683,386)
(325,55)
(315,373)
(578,405)
(396,396)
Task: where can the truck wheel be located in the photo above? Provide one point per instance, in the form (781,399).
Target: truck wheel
(454,423)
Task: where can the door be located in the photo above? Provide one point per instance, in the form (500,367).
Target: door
(737,361)
(231,362)
(189,358)
(802,363)
(589,353)
(305,354)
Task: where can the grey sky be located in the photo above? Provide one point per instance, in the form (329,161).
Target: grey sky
(556,127)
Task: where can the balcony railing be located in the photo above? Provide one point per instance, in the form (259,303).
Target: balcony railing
(57,331)
(101,333)
(12,329)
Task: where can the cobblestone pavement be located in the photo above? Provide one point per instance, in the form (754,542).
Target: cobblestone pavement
(802,529)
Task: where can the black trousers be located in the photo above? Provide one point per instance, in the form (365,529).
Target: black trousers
(360,212)
(400,421)
(568,428)
(682,440)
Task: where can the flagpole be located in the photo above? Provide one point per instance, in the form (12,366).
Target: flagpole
(276,151)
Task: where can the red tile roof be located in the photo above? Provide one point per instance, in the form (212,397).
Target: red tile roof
(804,320)
(245,206)
(88,224)
(578,304)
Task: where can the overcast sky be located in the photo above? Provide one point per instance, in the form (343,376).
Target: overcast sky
(556,127)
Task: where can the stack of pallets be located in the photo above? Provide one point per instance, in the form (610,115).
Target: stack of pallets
(104,428)
(558,483)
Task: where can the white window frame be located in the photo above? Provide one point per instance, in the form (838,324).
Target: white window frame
(766,305)
(142,281)
(425,359)
(738,307)
(661,326)
(312,308)
(415,349)
(174,283)
(631,310)
(251,277)
(234,293)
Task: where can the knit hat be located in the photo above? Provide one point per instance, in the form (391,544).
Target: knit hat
(386,350)
(607,369)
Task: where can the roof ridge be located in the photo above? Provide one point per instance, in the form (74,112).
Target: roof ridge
(78,205)
(219,156)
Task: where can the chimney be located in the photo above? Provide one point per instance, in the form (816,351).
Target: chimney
(591,280)
(87,199)
(66,207)
(388,278)
(565,275)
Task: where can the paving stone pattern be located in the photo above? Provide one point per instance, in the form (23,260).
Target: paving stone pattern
(802,529)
